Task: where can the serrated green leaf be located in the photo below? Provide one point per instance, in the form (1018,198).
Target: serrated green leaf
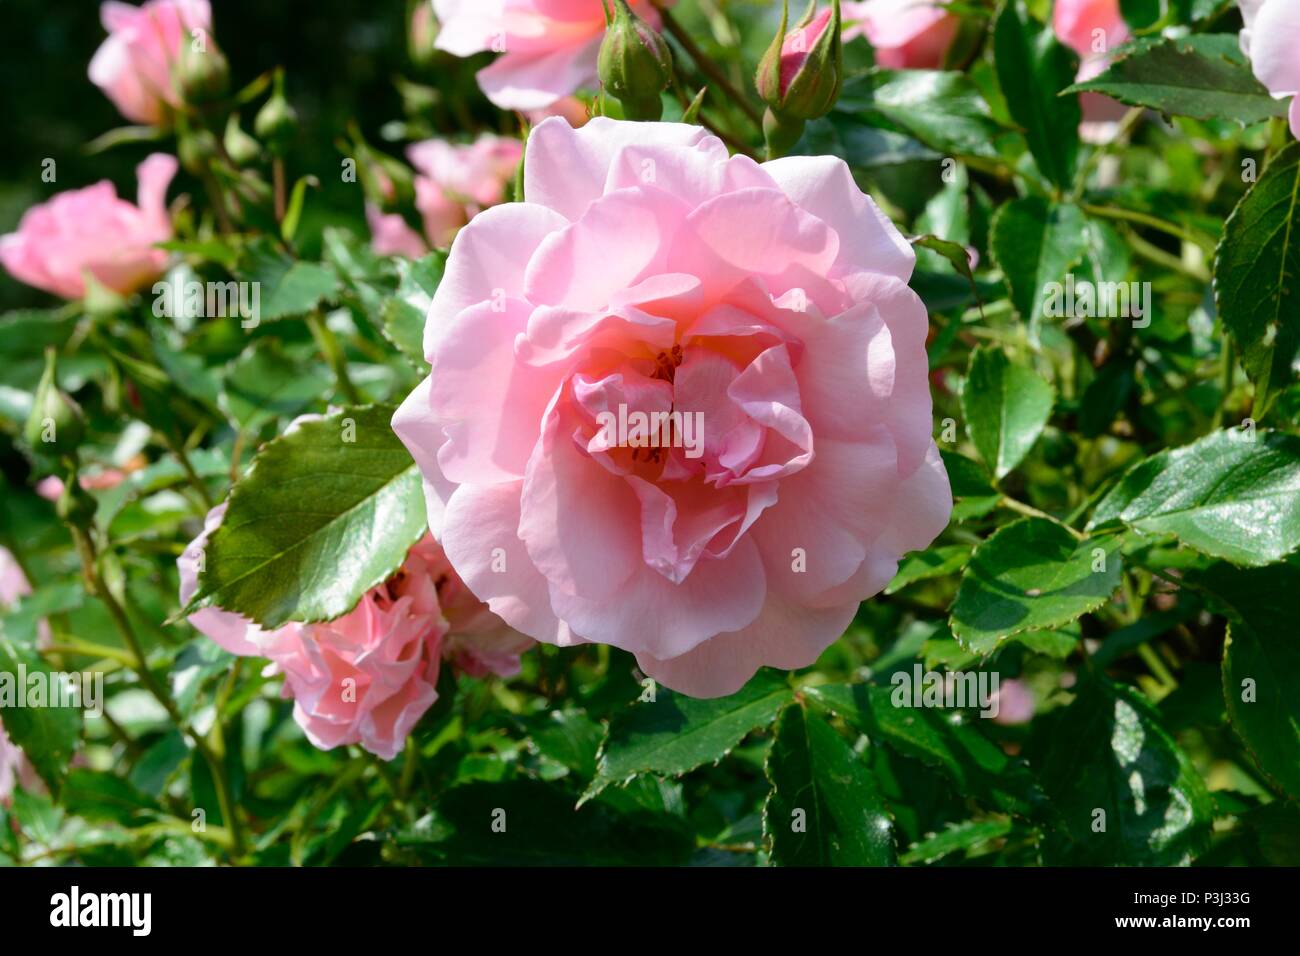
(943,110)
(316,522)
(264,384)
(931,563)
(289,287)
(825,808)
(404,313)
(1261,662)
(1204,76)
(973,492)
(960,837)
(1032,69)
(1036,243)
(1257,277)
(1031,575)
(945,739)
(674,734)
(48,735)
(1224,495)
(1108,754)
(1006,407)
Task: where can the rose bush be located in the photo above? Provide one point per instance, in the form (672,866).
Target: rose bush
(875,461)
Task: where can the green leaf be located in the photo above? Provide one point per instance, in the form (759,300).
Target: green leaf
(48,735)
(825,808)
(931,563)
(1036,243)
(1108,754)
(1224,495)
(289,287)
(403,314)
(1262,606)
(972,490)
(264,384)
(1032,69)
(947,740)
(959,837)
(1031,575)
(542,828)
(1204,76)
(1006,407)
(674,734)
(324,514)
(943,110)
(1257,277)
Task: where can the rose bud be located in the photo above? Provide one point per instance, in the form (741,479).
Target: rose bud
(202,74)
(276,122)
(56,424)
(635,64)
(800,75)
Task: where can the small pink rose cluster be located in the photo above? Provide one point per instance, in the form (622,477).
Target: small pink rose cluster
(453,183)
(135,66)
(367,677)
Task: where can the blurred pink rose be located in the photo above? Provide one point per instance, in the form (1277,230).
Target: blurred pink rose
(13,583)
(92,230)
(1094,29)
(651,271)
(906,34)
(134,65)
(1271,39)
(367,677)
(1016,703)
(453,183)
(51,487)
(548,47)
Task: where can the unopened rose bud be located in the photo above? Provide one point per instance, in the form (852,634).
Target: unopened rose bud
(800,75)
(240,147)
(276,122)
(422,33)
(635,64)
(202,75)
(56,425)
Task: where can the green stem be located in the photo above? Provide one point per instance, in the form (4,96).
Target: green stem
(1020,507)
(333,352)
(1151,222)
(191,475)
(96,585)
(707,66)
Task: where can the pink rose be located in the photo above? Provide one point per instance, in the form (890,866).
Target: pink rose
(1094,29)
(1271,38)
(134,65)
(92,230)
(1016,703)
(453,183)
(548,47)
(906,34)
(649,272)
(367,677)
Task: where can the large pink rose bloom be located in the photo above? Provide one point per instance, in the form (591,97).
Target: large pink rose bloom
(1271,39)
(548,47)
(651,271)
(134,65)
(367,677)
(453,183)
(906,34)
(92,231)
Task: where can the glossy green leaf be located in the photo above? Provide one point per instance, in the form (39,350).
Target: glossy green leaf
(673,733)
(323,515)
(948,740)
(264,384)
(1261,662)
(48,735)
(405,312)
(1031,575)
(289,287)
(973,493)
(958,838)
(1033,68)
(1036,243)
(1006,406)
(1232,495)
(931,563)
(1122,790)
(825,808)
(1204,76)
(943,110)
(1257,277)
